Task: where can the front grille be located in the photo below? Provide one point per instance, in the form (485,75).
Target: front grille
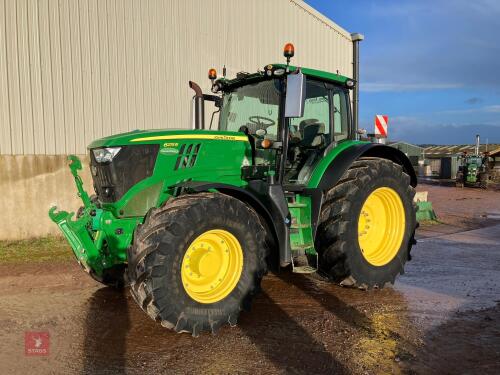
(131,165)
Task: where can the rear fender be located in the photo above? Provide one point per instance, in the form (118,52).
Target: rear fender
(341,163)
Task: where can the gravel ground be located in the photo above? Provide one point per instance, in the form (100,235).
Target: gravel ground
(440,317)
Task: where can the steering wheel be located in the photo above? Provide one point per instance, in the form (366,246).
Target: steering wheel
(261,122)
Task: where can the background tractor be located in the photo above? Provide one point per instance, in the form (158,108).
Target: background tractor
(192,219)
(474,170)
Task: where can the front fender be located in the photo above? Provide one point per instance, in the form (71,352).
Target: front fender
(270,204)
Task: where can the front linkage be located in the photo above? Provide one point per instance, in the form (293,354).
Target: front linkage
(99,240)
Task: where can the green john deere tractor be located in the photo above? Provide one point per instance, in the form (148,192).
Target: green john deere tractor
(192,219)
(474,170)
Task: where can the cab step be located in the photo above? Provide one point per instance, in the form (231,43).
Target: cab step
(301,264)
(297,205)
(301,249)
(300,226)
(304,269)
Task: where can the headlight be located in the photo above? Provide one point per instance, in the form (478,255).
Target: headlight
(105,155)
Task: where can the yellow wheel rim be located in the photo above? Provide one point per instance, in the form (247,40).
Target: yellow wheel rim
(381,226)
(212,265)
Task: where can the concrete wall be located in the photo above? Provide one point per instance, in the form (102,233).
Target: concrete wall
(29,186)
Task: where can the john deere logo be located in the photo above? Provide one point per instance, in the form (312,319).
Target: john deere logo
(225,137)
(169,151)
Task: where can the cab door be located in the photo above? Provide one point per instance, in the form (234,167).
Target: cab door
(323,124)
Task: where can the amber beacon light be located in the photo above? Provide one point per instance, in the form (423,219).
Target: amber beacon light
(212,74)
(289,51)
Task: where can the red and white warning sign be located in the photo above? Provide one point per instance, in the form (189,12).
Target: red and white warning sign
(381,122)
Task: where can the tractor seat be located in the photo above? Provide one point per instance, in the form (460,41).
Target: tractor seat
(311,133)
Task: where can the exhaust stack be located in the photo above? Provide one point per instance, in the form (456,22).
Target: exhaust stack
(477,144)
(197,107)
(356,38)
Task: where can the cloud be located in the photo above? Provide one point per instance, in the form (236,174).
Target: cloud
(483,7)
(438,41)
(493,108)
(420,131)
(485,109)
(474,100)
(405,87)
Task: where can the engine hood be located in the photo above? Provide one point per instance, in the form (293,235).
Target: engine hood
(164,136)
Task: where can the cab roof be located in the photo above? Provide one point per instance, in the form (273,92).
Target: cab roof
(314,73)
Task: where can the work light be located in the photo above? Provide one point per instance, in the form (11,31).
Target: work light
(216,88)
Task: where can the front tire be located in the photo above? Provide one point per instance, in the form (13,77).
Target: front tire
(197,261)
(367,225)
(483,180)
(114,277)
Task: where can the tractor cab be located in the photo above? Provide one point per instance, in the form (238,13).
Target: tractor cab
(293,117)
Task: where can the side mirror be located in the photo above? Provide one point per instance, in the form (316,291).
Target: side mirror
(295,95)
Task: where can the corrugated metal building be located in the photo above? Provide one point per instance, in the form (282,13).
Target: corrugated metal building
(444,161)
(413,152)
(438,151)
(75,70)
(72,71)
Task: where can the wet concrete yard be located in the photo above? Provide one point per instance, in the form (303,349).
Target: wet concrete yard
(442,316)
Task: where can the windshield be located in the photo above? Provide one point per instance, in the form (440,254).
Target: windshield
(255,106)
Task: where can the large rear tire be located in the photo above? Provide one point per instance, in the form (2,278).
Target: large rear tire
(367,225)
(197,261)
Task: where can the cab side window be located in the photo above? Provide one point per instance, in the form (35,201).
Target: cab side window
(313,128)
(340,110)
